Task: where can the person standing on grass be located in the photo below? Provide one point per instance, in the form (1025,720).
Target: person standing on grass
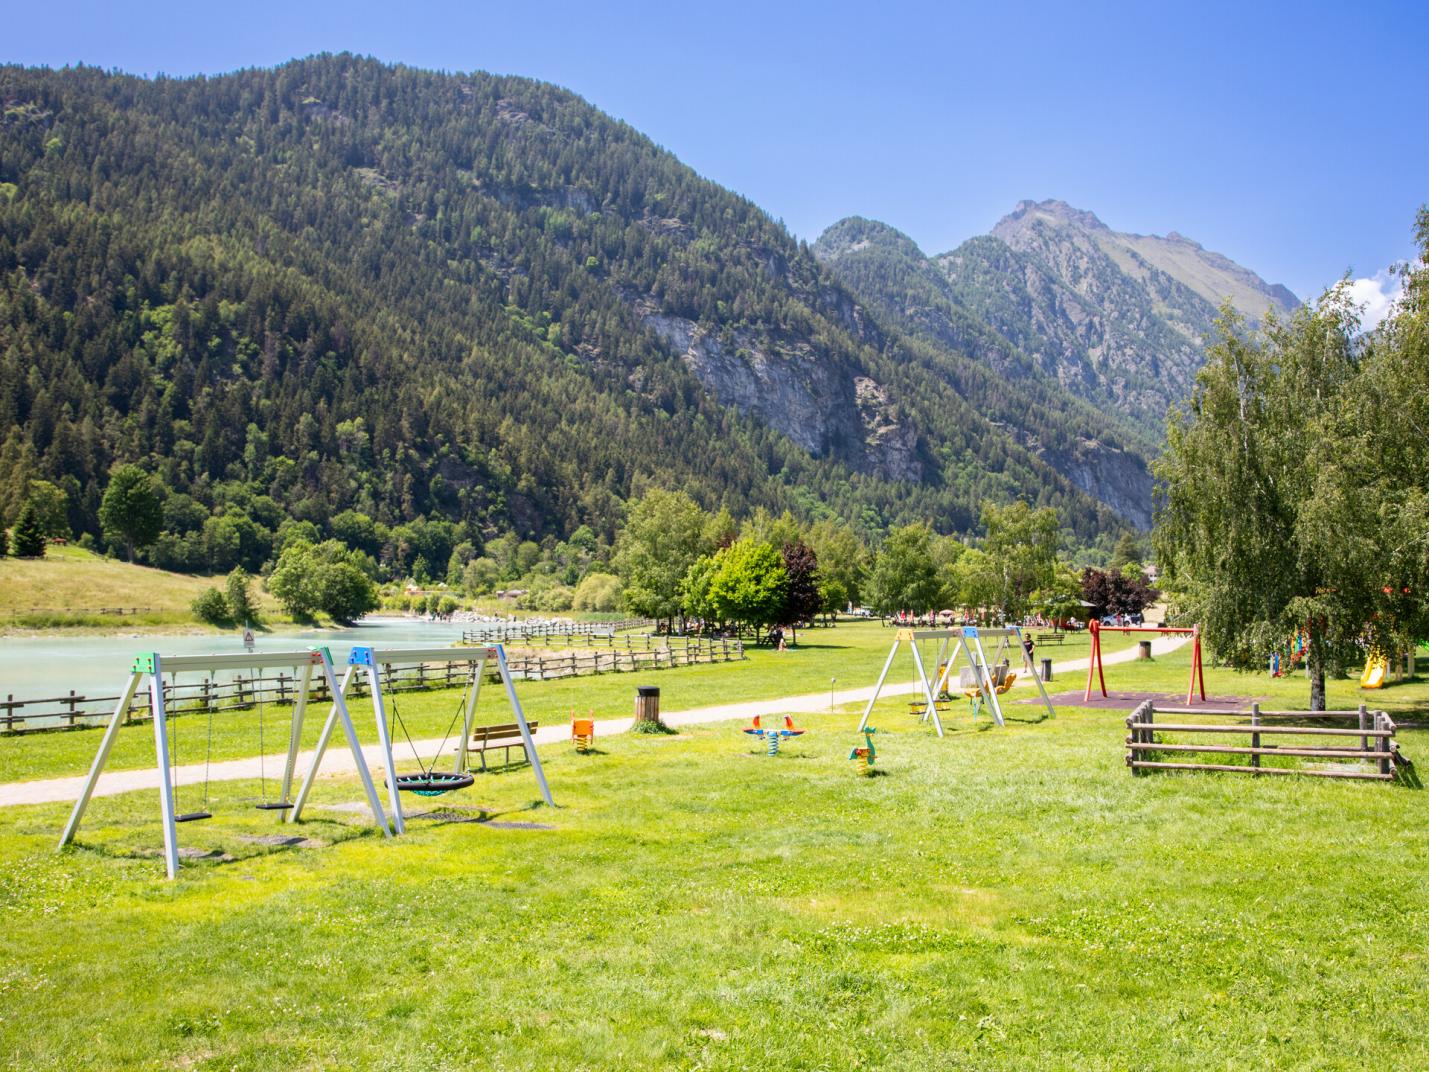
(1029,650)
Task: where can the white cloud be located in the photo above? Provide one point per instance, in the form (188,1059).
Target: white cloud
(1376,296)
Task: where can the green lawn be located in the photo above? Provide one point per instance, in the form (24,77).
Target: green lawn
(1002,898)
(852,652)
(999,899)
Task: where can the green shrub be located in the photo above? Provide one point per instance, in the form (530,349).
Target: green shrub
(211,607)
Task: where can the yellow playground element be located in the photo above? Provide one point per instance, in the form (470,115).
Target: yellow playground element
(1375,668)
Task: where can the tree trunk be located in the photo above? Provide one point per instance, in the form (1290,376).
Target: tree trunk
(1315,663)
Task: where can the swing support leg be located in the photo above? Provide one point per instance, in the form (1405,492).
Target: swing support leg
(521,722)
(927,690)
(473,691)
(166,784)
(888,665)
(295,732)
(121,712)
(379,712)
(339,712)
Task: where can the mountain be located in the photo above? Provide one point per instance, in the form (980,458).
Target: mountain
(1101,451)
(1120,319)
(339,285)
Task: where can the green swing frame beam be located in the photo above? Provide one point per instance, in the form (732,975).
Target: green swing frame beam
(152,666)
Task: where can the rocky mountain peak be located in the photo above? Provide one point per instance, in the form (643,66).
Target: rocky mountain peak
(1028,213)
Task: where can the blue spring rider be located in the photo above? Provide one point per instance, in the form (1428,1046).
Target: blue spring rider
(772,737)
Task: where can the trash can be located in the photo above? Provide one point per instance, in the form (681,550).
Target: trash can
(1046,669)
(647,704)
(1143,649)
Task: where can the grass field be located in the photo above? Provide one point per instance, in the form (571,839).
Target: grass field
(69,586)
(1000,899)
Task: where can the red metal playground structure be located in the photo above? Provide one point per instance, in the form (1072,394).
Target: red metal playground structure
(1094,665)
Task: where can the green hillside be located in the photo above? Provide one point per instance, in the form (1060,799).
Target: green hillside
(339,285)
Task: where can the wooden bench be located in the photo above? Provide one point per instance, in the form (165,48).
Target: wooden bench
(1049,638)
(505,736)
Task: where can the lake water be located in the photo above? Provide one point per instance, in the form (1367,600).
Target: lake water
(42,667)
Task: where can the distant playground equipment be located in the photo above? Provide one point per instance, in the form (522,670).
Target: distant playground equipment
(772,737)
(151,667)
(583,732)
(1299,645)
(867,753)
(1375,668)
(1369,740)
(980,674)
(1096,672)
(427,780)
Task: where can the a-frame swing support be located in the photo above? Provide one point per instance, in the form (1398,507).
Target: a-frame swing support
(152,666)
(968,643)
(369,661)
(1096,674)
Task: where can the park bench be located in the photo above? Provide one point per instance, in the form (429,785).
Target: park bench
(1049,638)
(505,736)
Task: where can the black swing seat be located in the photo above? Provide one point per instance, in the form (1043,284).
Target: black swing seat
(273,805)
(193,816)
(433,783)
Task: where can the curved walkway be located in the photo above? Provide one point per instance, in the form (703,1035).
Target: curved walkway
(339,759)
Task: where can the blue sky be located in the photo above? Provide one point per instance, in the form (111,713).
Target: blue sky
(1292,137)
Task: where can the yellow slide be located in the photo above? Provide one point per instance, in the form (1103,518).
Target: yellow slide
(1375,667)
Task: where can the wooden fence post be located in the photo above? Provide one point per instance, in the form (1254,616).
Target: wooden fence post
(1255,737)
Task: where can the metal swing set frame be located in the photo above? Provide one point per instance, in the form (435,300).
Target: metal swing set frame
(964,641)
(152,666)
(370,661)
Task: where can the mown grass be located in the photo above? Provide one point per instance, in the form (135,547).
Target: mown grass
(999,899)
(852,653)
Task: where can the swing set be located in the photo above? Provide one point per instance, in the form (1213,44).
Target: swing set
(150,667)
(426,780)
(1197,684)
(984,683)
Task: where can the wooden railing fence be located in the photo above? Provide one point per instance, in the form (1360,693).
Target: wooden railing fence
(1368,741)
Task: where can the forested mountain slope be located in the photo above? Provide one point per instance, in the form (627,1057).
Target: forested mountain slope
(339,284)
(1055,297)
(1102,451)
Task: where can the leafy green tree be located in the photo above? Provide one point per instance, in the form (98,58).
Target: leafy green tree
(663,536)
(904,576)
(597,592)
(52,506)
(1023,542)
(749,585)
(29,535)
(480,576)
(975,581)
(130,512)
(1126,552)
(344,592)
(241,607)
(4,543)
(293,582)
(842,557)
(695,589)
(1240,534)
(833,595)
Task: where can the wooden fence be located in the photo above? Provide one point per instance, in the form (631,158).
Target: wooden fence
(75,710)
(71,612)
(1369,740)
(536,629)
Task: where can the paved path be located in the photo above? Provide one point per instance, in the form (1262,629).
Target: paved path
(339,757)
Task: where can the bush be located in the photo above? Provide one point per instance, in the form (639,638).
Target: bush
(599,592)
(212,608)
(241,608)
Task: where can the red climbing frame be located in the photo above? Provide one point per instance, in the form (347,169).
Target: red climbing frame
(1094,666)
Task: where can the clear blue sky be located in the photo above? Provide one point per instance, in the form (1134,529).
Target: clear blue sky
(1293,137)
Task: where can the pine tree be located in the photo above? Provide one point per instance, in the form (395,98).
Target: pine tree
(29,533)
